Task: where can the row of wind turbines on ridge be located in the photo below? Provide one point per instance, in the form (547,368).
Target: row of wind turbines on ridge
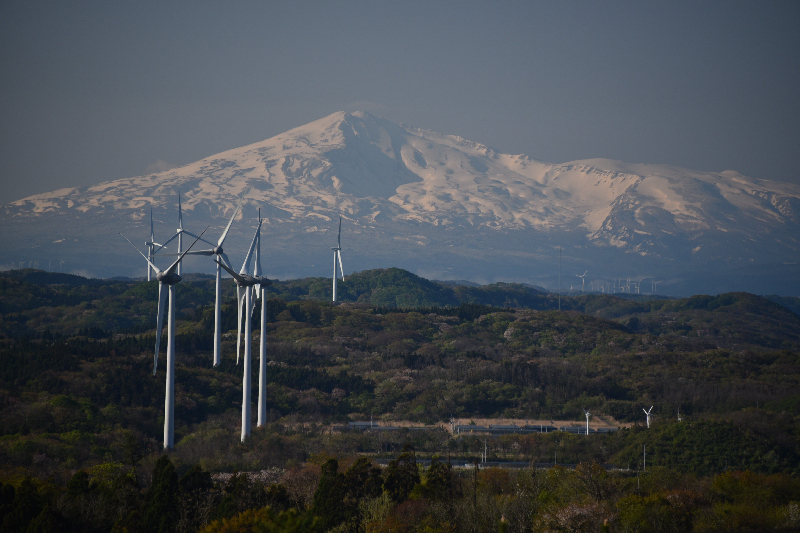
(618,285)
(249,287)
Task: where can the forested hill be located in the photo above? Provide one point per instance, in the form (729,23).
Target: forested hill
(77,388)
(34,301)
(395,287)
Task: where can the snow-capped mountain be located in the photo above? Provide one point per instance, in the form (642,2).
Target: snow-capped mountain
(439,205)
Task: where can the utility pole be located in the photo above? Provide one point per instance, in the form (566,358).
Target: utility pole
(475,488)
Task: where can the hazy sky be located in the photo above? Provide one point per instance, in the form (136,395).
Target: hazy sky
(94,91)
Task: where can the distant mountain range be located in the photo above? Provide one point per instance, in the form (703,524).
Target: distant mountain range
(438,205)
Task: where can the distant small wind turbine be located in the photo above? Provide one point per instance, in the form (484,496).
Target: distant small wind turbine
(583,279)
(337,254)
(648,415)
(166,287)
(588,414)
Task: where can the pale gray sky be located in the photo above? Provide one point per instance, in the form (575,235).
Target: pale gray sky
(94,91)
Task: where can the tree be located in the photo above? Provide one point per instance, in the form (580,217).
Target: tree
(6,500)
(329,496)
(439,481)
(240,495)
(402,475)
(26,507)
(265,520)
(159,513)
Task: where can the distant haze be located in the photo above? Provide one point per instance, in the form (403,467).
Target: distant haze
(95,91)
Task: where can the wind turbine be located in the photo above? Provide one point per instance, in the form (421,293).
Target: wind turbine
(218,252)
(337,253)
(166,286)
(583,279)
(588,414)
(244,287)
(178,234)
(648,415)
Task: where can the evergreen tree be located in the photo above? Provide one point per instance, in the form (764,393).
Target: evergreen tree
(328,503)
(402,475)
(27,506)
(6,500)
(439,481)
(159,513)
(48,521)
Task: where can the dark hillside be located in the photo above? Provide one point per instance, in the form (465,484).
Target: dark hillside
(82,413)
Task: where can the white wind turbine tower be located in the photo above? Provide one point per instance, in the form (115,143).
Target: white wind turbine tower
(583,279)
(166,286)
(588,414)
(262,361)
(244,287)
(648,415)
(218,252)
(337,253)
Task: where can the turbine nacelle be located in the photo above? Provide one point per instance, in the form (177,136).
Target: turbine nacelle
(244,280)
(248,281)
(168,279)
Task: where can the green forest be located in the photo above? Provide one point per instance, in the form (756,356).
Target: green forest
(81,413)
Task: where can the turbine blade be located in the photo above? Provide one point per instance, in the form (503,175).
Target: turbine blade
(167,242)
(152,235)
(239,296)
(174,265)
(180,214)
(246,264)
(195,252)
(163,293)
(140,253)
(258,255)
(339,237)
(235,212)
(230,271)
(190,234)
(225,259)
(252,300)
(341,268)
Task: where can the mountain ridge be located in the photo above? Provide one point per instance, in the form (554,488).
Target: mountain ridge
(440,200)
